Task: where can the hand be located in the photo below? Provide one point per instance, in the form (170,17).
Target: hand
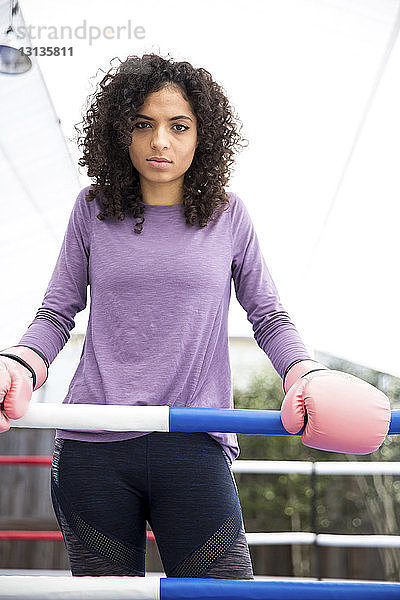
(342,412)
(16,387)
(22,370)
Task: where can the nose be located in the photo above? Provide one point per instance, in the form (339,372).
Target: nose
(160,138)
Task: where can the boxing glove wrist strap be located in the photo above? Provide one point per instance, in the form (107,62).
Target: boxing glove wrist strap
(299,368)
(24,363)
(31,359)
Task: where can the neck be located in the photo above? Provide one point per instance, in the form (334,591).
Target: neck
(162,194)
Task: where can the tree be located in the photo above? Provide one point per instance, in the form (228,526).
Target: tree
(350,504)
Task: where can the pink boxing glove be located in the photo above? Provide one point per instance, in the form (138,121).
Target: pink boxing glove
(22,370)
(343,413)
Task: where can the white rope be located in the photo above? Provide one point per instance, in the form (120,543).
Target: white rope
(272,466)
(323,539)
(87,417)
(79,588)
(357,468)
(321,468)
(281,538)
(358,541)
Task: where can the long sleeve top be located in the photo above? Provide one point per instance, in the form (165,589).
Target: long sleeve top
(157,331)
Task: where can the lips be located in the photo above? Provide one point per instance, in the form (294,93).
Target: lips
(159,159)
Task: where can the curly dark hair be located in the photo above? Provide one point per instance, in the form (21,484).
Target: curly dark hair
(106,137)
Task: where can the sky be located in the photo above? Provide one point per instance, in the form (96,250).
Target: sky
(315,85)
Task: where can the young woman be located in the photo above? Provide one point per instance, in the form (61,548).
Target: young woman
(159,240)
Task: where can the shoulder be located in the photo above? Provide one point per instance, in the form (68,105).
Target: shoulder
(234,203)
(237,210)
(83,193)
(84,206)
(83,212)
(232,197)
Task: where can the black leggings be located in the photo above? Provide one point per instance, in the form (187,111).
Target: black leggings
(181,483)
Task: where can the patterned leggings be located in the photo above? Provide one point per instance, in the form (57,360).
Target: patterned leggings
(181,483)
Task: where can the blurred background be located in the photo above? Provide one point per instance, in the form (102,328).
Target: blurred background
(316,85)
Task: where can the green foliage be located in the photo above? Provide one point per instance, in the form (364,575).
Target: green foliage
(344,504)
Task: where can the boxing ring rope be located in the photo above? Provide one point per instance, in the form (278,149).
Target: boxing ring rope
(189,419)
(257,467)
(253,539)
(301,467)
(112,417)
(175,588)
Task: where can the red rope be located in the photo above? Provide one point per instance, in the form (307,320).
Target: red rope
(25,460)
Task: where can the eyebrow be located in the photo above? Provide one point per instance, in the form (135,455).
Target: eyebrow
(171,119)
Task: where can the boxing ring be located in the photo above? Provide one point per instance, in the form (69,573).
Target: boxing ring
(165,418)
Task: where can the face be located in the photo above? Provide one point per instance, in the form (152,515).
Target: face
(166,127)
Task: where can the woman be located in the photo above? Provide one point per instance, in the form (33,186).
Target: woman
(158,138)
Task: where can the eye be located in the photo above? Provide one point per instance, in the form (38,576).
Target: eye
(180,125)
(141,123)
(175,125)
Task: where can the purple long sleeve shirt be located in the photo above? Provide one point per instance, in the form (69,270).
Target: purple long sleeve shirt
(157,332)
